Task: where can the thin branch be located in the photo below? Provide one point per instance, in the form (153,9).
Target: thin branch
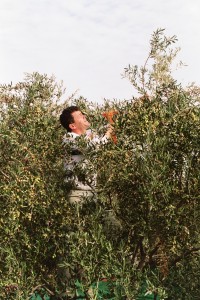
(143,255)
(185,254)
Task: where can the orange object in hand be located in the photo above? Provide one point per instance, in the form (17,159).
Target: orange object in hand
(109,116)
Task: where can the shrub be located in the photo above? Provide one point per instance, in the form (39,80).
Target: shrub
(141,234)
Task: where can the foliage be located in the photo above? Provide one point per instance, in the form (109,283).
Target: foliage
(141,233)
(157,69)
(33,205)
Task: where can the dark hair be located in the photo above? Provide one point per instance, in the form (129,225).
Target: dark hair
(66,117)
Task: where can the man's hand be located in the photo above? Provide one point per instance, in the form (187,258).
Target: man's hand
(110,131)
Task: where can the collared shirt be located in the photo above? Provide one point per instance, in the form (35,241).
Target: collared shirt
(76,158)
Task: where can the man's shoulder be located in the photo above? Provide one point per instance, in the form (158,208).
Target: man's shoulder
(69,137)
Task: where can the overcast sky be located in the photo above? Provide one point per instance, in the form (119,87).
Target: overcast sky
(88,43)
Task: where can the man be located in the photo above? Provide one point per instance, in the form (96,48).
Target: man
(74,120)
(76,124)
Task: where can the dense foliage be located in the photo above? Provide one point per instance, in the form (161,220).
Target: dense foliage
(141,232)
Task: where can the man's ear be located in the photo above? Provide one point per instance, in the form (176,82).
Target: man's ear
(72,126)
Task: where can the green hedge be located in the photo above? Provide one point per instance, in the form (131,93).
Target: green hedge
(143,226)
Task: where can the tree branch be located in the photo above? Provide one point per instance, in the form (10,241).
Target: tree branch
(185,254)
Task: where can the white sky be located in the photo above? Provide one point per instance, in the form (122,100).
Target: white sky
(88,43)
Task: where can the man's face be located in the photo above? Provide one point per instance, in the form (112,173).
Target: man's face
(80,124)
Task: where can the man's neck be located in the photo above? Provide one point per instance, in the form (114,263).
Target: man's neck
(79,132)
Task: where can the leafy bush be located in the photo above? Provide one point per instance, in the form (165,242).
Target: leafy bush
(34,213)
(141,234)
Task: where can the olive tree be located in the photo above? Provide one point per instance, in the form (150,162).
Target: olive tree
(34,213)
(148,182)
(140,233)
